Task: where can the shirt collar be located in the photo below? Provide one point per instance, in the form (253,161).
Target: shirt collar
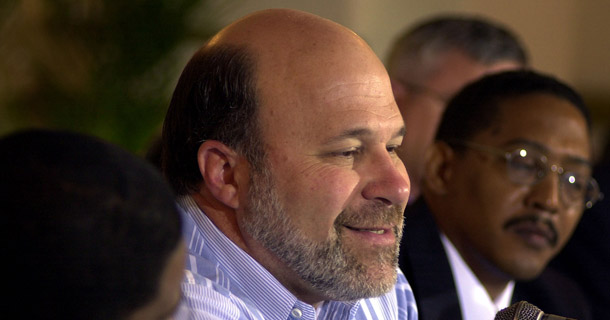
(475,302)
(264,290)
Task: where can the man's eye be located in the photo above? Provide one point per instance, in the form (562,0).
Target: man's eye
(526,166)
(349,153)
(392,148)
(575,182)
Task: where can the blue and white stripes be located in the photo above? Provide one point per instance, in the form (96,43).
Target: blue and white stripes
(224,282)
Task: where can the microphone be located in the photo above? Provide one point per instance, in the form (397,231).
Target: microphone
(524,310)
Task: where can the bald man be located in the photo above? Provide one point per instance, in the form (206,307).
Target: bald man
(281,141)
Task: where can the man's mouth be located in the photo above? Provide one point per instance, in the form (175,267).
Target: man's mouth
(373,236)
(371,226)
(371,230)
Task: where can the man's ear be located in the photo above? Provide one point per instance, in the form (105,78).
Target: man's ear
(218,165)
(439,167)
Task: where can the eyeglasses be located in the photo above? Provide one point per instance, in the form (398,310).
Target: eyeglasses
(528,167)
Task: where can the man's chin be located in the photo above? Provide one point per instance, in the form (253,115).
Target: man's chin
(377,279)
(364,277)
(385,276)
(380,284)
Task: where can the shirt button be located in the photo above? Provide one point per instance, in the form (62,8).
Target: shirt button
(297,313)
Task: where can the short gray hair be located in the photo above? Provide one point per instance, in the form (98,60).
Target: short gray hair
(485,41)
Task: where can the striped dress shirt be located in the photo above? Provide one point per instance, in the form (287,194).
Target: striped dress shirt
(224,282)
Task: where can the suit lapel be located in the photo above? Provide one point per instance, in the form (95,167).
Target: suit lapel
(424,262)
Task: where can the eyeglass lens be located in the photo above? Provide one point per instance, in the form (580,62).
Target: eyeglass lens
(528,168)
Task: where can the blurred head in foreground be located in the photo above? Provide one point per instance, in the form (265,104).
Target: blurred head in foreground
(96,230)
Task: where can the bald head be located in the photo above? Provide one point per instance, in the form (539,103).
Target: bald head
(310,107)
(284,34)
(296,50)
(272,58)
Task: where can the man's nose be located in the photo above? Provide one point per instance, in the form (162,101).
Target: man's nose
(388,180)
(546,194)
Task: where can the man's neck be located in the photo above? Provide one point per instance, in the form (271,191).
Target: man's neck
(225,219)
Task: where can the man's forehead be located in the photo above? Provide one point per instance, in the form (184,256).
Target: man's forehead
(361,133)
(553,116)
(347,99)
(355,108)
(319,90)
(540,148)
(367,88)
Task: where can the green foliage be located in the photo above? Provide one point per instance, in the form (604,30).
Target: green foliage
(102,67)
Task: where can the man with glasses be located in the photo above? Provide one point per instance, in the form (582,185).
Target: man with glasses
(506,183)
(431,62)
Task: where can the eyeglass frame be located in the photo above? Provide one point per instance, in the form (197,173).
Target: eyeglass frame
(508,158)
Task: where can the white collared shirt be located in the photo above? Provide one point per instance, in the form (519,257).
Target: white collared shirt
(475,302)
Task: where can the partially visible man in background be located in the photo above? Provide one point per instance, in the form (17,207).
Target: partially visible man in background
(505,185)
(95,233)
(432,61)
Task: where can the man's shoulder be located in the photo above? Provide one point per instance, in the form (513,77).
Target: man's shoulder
(205,298)
(209,288)
(219,303)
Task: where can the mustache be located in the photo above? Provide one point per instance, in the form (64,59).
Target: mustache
(537,220)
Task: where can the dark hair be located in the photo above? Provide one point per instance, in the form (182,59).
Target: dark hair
(214,100)
(94,226)
(476,107)
(483,40)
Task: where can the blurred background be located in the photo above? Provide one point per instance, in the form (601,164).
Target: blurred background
(108,67)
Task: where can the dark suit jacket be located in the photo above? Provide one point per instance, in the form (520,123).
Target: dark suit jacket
(586,257)
(425,264)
